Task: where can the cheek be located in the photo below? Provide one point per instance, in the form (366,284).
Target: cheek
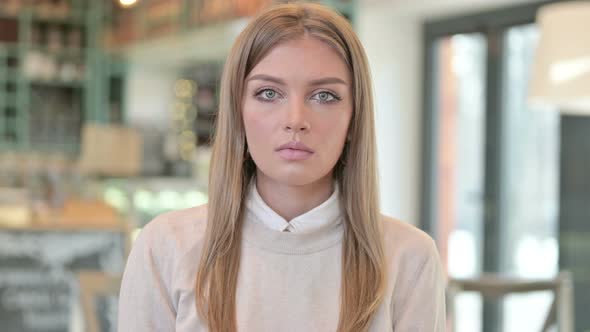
(333,134)
(335,128)
(258,128)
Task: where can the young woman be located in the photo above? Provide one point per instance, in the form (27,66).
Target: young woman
(292,238)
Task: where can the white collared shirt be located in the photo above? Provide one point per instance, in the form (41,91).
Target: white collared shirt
(326,213)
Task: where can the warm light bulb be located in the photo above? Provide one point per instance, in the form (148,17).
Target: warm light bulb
(127,3)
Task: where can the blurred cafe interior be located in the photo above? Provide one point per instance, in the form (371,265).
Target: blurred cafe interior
(107,108)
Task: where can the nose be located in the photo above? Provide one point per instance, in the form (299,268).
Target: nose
(296,119)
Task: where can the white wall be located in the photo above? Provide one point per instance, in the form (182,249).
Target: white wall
(394,56)
(149,94)
(391,32)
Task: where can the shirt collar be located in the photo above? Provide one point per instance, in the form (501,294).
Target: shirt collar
(323,215)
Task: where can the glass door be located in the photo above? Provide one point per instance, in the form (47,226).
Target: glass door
(460,88)
(531,156)
(491,164)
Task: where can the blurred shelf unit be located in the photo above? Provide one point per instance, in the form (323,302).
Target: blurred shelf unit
(141,199)
(54,73)
(204,101)
(150,19)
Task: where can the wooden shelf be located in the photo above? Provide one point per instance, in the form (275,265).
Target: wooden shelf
(32,27)
(72,19)
(63,52)
(8,16)
(57,227)
(9,47)
(57,84)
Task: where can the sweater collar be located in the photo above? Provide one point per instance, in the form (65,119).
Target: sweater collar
(315,230)
(322,215)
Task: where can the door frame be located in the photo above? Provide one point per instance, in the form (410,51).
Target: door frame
(492,24)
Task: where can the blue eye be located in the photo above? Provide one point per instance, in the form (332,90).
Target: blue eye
(269,94)
(266,95)
(325,97)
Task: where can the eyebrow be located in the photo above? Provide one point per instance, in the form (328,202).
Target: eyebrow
(320,81)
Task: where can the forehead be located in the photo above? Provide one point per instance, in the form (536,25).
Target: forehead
(305,58)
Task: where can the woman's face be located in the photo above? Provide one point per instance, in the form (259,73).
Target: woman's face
(297,107)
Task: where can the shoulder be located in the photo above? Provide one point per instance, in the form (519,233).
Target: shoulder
(403,241)
(416,278)
(152,271)
(175,230)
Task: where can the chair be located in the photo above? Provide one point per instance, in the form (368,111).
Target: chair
(561,311)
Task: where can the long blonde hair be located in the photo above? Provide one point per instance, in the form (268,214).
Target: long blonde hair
(363,263)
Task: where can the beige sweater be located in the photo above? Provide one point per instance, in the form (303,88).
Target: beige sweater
(287,281)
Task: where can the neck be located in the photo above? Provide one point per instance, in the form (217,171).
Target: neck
(290,201)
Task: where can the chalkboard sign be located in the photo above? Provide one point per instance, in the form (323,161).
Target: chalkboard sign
(38,274)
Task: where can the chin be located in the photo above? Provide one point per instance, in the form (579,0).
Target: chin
(296,177)
(295,181)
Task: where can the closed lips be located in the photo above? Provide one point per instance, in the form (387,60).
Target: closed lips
(295,146)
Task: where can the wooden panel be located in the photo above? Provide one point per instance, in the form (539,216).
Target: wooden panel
(8,30)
